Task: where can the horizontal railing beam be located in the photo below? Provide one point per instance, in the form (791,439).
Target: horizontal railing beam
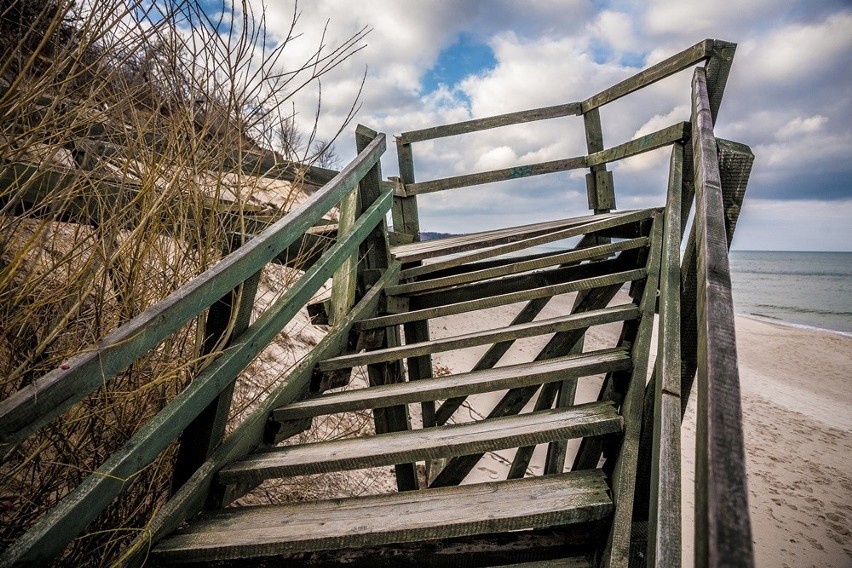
(686,58)
(35,405)
(494,176)
(508,119)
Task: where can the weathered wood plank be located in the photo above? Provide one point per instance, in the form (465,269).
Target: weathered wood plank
(250,434)
(723,530)
(617,552)
(512,332)
(663,137)
(504,174)
(570,257)
(503,299)
(343,282)
(599,186)
(462,243)
(664,524)
(593,419)
(661,70)
(65,521)
(30,408)
(487,123)
(513,401)
(474,382)
(451,512)
(596,223)
(491,357)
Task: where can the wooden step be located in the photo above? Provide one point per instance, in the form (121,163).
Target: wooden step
(509,333)
(501,299)
(592,419)
(441,388)
(410,516)
(518,267)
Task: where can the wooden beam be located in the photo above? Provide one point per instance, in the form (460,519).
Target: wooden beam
(678,62)
(538,502)
(490,122)
(492,176)
(250,434)
(722,527)
(512,332)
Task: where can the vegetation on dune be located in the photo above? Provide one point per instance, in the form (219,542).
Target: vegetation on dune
(122,123)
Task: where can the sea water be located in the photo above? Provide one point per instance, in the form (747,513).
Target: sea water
(813,289)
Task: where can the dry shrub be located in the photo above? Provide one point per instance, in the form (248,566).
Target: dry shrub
(122,121)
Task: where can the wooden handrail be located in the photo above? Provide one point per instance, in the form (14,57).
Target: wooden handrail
(722,528)
(33,406)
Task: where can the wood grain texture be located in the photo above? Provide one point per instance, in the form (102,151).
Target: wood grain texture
(723,529)
(664,523)
(450,512)
(511,268)
(250,434)
(474,382)
(661,70)
(540,327)
(502,299)
(593,419)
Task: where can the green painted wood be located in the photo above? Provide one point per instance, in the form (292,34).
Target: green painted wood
(593,419)
(570,257)
(723,530)
(226,319)
(504,174)
(596,223)
(502,300)
(663,137)
(406,219)
(64,522)
(451,512)
(601,194)
(664,522)
(33,406)
(512,332)
(661,70)
(487,123)
(251,433)
(343,282)
(617,553)
(474,382)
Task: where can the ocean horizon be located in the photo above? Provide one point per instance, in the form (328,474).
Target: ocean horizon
(810,289)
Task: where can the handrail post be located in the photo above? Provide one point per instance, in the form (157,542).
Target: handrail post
(226,320)
(375,251)
(599,180)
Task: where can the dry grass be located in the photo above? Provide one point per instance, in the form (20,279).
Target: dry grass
(141,108)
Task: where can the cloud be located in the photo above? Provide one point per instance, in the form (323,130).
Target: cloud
(787,97)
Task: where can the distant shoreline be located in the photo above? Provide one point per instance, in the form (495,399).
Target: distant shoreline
(783,323)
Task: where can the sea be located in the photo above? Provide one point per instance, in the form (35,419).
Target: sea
(809,289)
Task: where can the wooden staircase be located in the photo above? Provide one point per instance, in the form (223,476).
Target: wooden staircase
(608,252)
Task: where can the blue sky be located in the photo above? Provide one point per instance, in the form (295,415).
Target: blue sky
(789,97)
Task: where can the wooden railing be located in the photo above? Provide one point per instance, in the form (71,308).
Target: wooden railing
(234,280)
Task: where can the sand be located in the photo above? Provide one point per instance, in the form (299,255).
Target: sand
(797,395)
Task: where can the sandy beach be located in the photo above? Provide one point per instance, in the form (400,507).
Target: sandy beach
(797,396)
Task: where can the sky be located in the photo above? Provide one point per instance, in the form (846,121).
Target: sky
(789,97)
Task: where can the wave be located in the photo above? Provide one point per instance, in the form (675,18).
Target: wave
(779,321)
